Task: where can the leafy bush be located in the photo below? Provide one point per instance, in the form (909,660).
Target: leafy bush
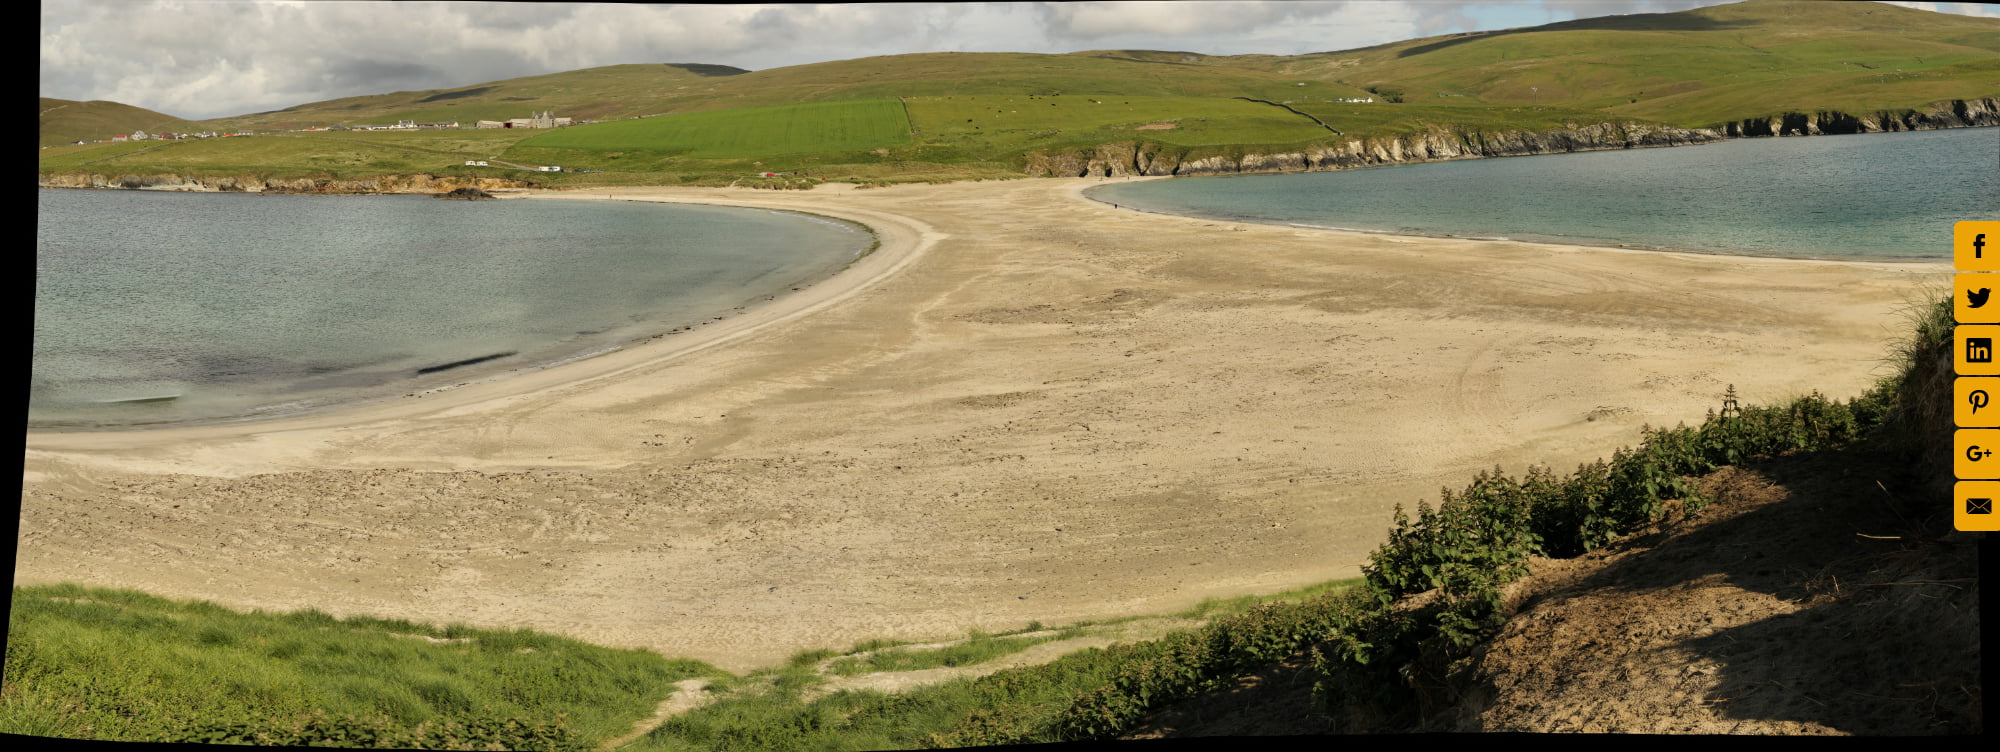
(1392,655)
(1184,664)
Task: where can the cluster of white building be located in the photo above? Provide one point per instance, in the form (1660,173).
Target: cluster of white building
(538,120)
(401,125)
(144,136)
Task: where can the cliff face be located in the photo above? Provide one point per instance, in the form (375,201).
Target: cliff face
(1129,158)
(420,183)
(1957,113)
(1437,144)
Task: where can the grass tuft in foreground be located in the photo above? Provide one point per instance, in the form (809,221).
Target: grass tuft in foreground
(90,663)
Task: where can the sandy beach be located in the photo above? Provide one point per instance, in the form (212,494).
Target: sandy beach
(1023,406)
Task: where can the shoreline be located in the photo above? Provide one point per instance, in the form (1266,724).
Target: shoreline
(640,340)
(644,350)
(551,357)
(1616,248)
(1025,406)
(1609,245)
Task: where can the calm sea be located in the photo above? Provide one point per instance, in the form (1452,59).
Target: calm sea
(240,305)
(1875,196)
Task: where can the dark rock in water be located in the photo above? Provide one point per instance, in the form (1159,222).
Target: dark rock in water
(465,194)
(466,362)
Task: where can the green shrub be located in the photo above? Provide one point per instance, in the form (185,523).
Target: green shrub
(318,729)
(1184,664)
(1391,655)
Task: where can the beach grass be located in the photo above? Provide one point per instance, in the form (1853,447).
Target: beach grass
(95,663)
(975,649)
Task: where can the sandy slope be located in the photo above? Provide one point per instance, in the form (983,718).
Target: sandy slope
(1025,406)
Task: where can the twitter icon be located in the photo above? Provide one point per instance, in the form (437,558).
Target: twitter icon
(1970,294)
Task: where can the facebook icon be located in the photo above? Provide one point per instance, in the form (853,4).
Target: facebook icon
(1978,244)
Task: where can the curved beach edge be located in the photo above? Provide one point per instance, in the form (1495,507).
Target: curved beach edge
(899,242)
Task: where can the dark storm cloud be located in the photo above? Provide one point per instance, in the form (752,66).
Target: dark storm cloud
(379,74)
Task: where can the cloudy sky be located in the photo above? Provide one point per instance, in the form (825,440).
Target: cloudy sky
(212,58)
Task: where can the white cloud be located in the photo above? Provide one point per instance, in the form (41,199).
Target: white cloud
(1091,20)
(1963,9)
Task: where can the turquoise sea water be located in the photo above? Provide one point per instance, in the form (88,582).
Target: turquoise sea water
(1874,196)
(242,305)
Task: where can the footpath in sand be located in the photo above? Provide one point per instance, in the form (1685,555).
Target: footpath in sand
(1025,406)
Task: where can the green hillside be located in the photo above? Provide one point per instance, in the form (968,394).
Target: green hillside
(610,92)
(1694,68)
(65,121)
(965,115)
(628,91)
(855,125)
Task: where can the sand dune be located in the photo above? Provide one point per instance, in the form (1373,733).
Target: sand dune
(1024,406)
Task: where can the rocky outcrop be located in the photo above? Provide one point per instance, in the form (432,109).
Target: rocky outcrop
(1957,113)
(420,183)
(1435,144)
(465,194)
(1137,158)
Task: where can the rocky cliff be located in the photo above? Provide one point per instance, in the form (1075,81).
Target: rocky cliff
(1134,158)
(420,183)
(1957,113)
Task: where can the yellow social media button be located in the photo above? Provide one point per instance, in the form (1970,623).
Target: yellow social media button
(1975,453)
(1972,505)
(1973,300)
(1975,401)
(1975,246)
(1973,351)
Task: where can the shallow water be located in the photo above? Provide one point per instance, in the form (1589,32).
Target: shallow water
(169,307)
(1875,196)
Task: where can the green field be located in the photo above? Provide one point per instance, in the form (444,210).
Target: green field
(996,126)
(324,152)
(756,132)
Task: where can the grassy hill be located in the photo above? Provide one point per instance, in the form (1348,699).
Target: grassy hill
(628,91)
(606,93)
(65,121)
(970,115)
(1694,68)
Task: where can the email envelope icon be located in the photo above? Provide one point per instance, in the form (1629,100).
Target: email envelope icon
(1978,506)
